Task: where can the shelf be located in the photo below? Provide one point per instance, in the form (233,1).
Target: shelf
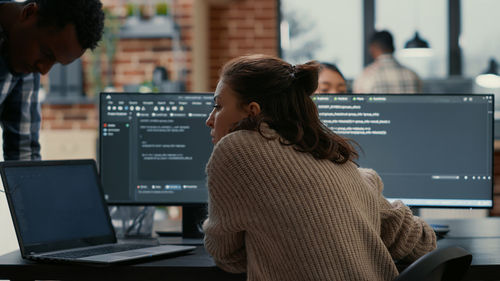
(156,27)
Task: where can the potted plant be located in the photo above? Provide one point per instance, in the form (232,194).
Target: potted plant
(132,14)
(161,13)
(162,9)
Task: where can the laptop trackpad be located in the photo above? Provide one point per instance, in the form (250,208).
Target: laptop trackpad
(130,254)
(115,257)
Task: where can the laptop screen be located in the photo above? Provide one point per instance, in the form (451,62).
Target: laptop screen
(56,202)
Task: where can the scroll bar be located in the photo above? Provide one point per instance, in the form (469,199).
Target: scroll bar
(445,177)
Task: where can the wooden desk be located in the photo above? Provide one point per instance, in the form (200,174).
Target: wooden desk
(195,266)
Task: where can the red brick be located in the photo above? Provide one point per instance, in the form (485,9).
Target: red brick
(58,106)
(164,48)
(47,118)
(120,61)
(89,126)
(148,61)
(62,126)
(91,106)
(133,49)
(75,117)
(133,72)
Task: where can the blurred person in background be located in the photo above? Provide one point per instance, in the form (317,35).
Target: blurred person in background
(331,80)
(385,75)
(35,35)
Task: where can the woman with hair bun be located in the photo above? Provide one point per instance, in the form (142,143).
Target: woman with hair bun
(286,199)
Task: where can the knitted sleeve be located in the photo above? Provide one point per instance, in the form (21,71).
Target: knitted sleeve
(227,206)
(406,236)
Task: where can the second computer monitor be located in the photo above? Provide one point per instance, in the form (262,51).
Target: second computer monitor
(154,147)
(430,150)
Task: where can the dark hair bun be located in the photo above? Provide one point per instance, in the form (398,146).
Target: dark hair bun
(306,76)
(283,92)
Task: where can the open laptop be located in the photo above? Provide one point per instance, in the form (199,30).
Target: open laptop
(60,214)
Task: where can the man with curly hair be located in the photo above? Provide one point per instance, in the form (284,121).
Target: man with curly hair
(35,35)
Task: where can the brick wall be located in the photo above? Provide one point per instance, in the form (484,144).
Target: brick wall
(135,59)
(70,117)
(236,27)
(239,28)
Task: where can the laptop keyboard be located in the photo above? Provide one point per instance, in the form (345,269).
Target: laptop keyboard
(98,251)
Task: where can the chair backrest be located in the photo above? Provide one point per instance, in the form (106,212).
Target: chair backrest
(444,264)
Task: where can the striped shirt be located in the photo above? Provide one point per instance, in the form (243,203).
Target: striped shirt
(20,113)
(387,76)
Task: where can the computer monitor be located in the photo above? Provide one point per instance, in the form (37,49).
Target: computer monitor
(429,150)
(153,151)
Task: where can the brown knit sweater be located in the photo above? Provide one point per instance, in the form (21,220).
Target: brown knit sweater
(279,214)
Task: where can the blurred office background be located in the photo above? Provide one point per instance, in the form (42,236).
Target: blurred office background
(180,45)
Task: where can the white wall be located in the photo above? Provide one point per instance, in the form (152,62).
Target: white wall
(8,240)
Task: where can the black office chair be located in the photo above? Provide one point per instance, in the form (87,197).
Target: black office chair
(446,264)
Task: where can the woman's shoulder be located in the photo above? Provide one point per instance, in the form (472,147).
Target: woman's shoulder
(372,178)
(237,137)
(238,142)
(245,139)
(240,147)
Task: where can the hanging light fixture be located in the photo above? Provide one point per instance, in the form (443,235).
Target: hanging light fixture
(416,42)
(417,47)
(489,78)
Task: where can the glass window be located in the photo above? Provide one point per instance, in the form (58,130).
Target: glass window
(480,42)
(329,31)
(430,18)
(480,37)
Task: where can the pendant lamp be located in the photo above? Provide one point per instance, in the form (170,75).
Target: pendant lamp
(416,42)
(489,78)
(417,47)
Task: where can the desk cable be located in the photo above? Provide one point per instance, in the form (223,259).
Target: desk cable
(137,222)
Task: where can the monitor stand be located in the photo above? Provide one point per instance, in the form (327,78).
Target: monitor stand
(134,222)
(192,232)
